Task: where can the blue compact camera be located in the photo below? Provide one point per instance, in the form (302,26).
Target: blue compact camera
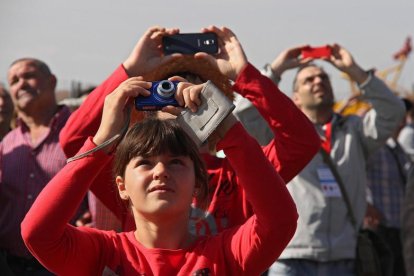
(162,94)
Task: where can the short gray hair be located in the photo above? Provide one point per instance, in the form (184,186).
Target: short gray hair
(42,66)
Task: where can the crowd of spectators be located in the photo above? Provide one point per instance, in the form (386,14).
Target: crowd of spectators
(80,195)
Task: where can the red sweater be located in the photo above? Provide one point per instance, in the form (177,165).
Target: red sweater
(294,145)
(241,250)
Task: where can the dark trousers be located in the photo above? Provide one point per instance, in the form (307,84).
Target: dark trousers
(392,237)
(4,266)
(12,265)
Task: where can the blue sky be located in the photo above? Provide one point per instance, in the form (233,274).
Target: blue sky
(85,40)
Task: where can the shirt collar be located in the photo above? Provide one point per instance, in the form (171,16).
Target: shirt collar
(62,113)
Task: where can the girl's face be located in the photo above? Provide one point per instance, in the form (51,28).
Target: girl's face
(161,184)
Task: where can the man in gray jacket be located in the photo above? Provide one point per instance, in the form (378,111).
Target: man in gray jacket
(325,240)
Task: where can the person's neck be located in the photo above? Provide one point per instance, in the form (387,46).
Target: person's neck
(319,116)
(38,121)
(39,117)
(166,233)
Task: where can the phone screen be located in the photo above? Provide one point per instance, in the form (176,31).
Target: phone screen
(190,43)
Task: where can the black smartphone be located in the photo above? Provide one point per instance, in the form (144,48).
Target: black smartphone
(190,43)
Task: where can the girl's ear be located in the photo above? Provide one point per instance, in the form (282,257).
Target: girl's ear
(121,188)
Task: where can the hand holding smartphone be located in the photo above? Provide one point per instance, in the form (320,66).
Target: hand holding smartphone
(190,43)
(316,52)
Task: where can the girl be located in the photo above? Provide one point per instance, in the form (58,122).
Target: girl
(159,172)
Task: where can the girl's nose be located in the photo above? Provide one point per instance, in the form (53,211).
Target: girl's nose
(160,171)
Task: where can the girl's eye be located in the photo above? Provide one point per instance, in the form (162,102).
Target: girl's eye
(143,163)
(177,161)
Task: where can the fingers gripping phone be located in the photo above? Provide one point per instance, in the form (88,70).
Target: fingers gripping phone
(190,43)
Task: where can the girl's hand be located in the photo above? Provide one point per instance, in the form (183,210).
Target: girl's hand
(115,107)
(187,96)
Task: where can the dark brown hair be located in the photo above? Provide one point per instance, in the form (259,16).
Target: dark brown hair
(154,136)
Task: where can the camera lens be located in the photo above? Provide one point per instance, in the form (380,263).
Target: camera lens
(209,42)
(165,88)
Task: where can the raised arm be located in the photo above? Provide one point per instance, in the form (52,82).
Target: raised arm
(387,110)
(295,139)
(84,122)
(145,57)
(381,120)
(45,229)
(258,242)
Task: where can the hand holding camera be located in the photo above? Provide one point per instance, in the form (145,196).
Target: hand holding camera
(298,56)
(288,59)
(230,59)
(219,46)
(174,92)
(166,95)
(343,60)
(115,110)
(147,54)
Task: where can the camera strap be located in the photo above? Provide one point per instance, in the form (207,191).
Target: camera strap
(328,160)
(108,142)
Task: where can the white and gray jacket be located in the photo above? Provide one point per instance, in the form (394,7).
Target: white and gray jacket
(324,231)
